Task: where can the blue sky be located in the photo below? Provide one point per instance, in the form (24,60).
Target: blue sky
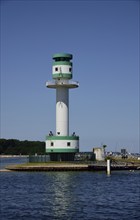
(103,37)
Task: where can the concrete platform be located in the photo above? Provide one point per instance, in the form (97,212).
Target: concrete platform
(49,168)
(67,167)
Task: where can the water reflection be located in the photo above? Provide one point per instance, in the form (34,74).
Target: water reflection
(60,195)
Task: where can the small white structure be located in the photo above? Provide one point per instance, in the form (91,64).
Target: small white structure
(99,153)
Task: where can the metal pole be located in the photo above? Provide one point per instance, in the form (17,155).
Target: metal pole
(108,167)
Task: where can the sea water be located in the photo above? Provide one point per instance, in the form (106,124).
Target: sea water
(68,195)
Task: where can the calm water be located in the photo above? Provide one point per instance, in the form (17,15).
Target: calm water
(69,195)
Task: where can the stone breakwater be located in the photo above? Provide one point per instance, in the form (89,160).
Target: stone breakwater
(70,167)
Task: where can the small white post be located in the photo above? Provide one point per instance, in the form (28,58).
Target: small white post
(108,167)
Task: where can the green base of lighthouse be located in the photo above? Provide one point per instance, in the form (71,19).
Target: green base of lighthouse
(62,148)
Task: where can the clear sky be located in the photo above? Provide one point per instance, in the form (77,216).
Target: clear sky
(103,37)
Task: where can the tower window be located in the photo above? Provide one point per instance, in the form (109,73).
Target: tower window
(52,144)
(70,69)
(68,143)
(56,68)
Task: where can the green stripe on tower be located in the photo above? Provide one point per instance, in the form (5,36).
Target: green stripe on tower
(62,75)
(62,63)
(62,137)
(61,150)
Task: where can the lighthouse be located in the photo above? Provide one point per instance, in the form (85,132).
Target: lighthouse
(62,146)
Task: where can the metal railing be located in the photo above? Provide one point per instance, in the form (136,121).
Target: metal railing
(53,83)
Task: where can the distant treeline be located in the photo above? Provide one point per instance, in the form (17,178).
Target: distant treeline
(16,147)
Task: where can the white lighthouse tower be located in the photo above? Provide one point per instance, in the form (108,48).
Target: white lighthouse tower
(61,145)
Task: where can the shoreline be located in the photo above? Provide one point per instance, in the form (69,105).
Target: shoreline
(69,166)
